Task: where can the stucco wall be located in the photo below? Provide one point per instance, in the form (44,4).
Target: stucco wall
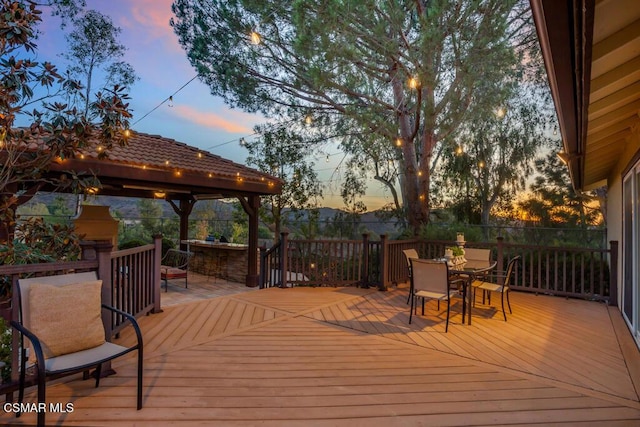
(614,201)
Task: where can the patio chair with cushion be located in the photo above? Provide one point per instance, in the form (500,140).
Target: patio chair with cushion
(430,280)
(410,254)
(477,256)
(499,282)
(175,265)
(61,319)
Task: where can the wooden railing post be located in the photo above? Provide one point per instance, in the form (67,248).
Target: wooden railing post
(263,267)
(384,262)
(613,273)
(500,255)
(157,259)
(364,279)
(87,249)
(103,255)
(284,258)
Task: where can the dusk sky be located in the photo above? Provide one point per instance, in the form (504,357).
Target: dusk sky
(195,117)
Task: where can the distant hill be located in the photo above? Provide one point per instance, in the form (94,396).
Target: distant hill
(127,207)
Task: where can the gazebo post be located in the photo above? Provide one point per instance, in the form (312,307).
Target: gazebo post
(183,211)
(251,205)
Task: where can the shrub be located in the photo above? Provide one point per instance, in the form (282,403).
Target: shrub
(132,243)
(5,350)
(35,242)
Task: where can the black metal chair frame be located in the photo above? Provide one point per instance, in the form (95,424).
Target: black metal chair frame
(496,286)
(43,374)
(177,259)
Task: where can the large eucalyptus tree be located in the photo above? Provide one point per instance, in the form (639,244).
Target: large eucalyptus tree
(396,77)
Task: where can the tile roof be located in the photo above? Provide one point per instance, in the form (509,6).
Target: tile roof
(157,152)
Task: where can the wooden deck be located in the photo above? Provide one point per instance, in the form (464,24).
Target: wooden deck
(347,356)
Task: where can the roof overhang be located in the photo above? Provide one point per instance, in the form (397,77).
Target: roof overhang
(564,29)
(591,50)
(150,166)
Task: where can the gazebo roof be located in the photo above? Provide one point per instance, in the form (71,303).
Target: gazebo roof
(151,164)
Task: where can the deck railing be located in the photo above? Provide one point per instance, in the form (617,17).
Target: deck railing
(270,266)
(135,285)
(574,272)
(130,278)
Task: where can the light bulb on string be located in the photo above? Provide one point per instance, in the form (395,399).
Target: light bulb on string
(170,102)
(256,39)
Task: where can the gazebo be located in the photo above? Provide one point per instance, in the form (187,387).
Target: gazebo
(151,166)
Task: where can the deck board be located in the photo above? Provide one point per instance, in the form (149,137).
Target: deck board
(539,338)
(331,356)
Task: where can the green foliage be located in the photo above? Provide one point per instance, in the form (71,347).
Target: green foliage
(284,153)
(345,225)
(56,129)
(240,233)
(554,202)
(132,243)
(166,245)
(5,350)
(264,233)
(456,250)
(349,64)
(60,212)
(93,46)
(449,231)
(36,242)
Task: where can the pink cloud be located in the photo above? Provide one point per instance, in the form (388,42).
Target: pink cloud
(154,15)
(145,21)
(213,120)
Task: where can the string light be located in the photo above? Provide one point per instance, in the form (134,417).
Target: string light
(413,83)
(308,119)
(255,38)
(398,142)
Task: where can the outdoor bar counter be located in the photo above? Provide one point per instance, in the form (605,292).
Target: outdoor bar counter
(224,260)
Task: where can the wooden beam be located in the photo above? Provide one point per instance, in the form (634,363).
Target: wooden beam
(616,100)
(251,206)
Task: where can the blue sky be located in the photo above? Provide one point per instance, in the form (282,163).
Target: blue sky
(195,117)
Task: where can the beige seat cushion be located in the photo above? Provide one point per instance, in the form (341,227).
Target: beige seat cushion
(66,318)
